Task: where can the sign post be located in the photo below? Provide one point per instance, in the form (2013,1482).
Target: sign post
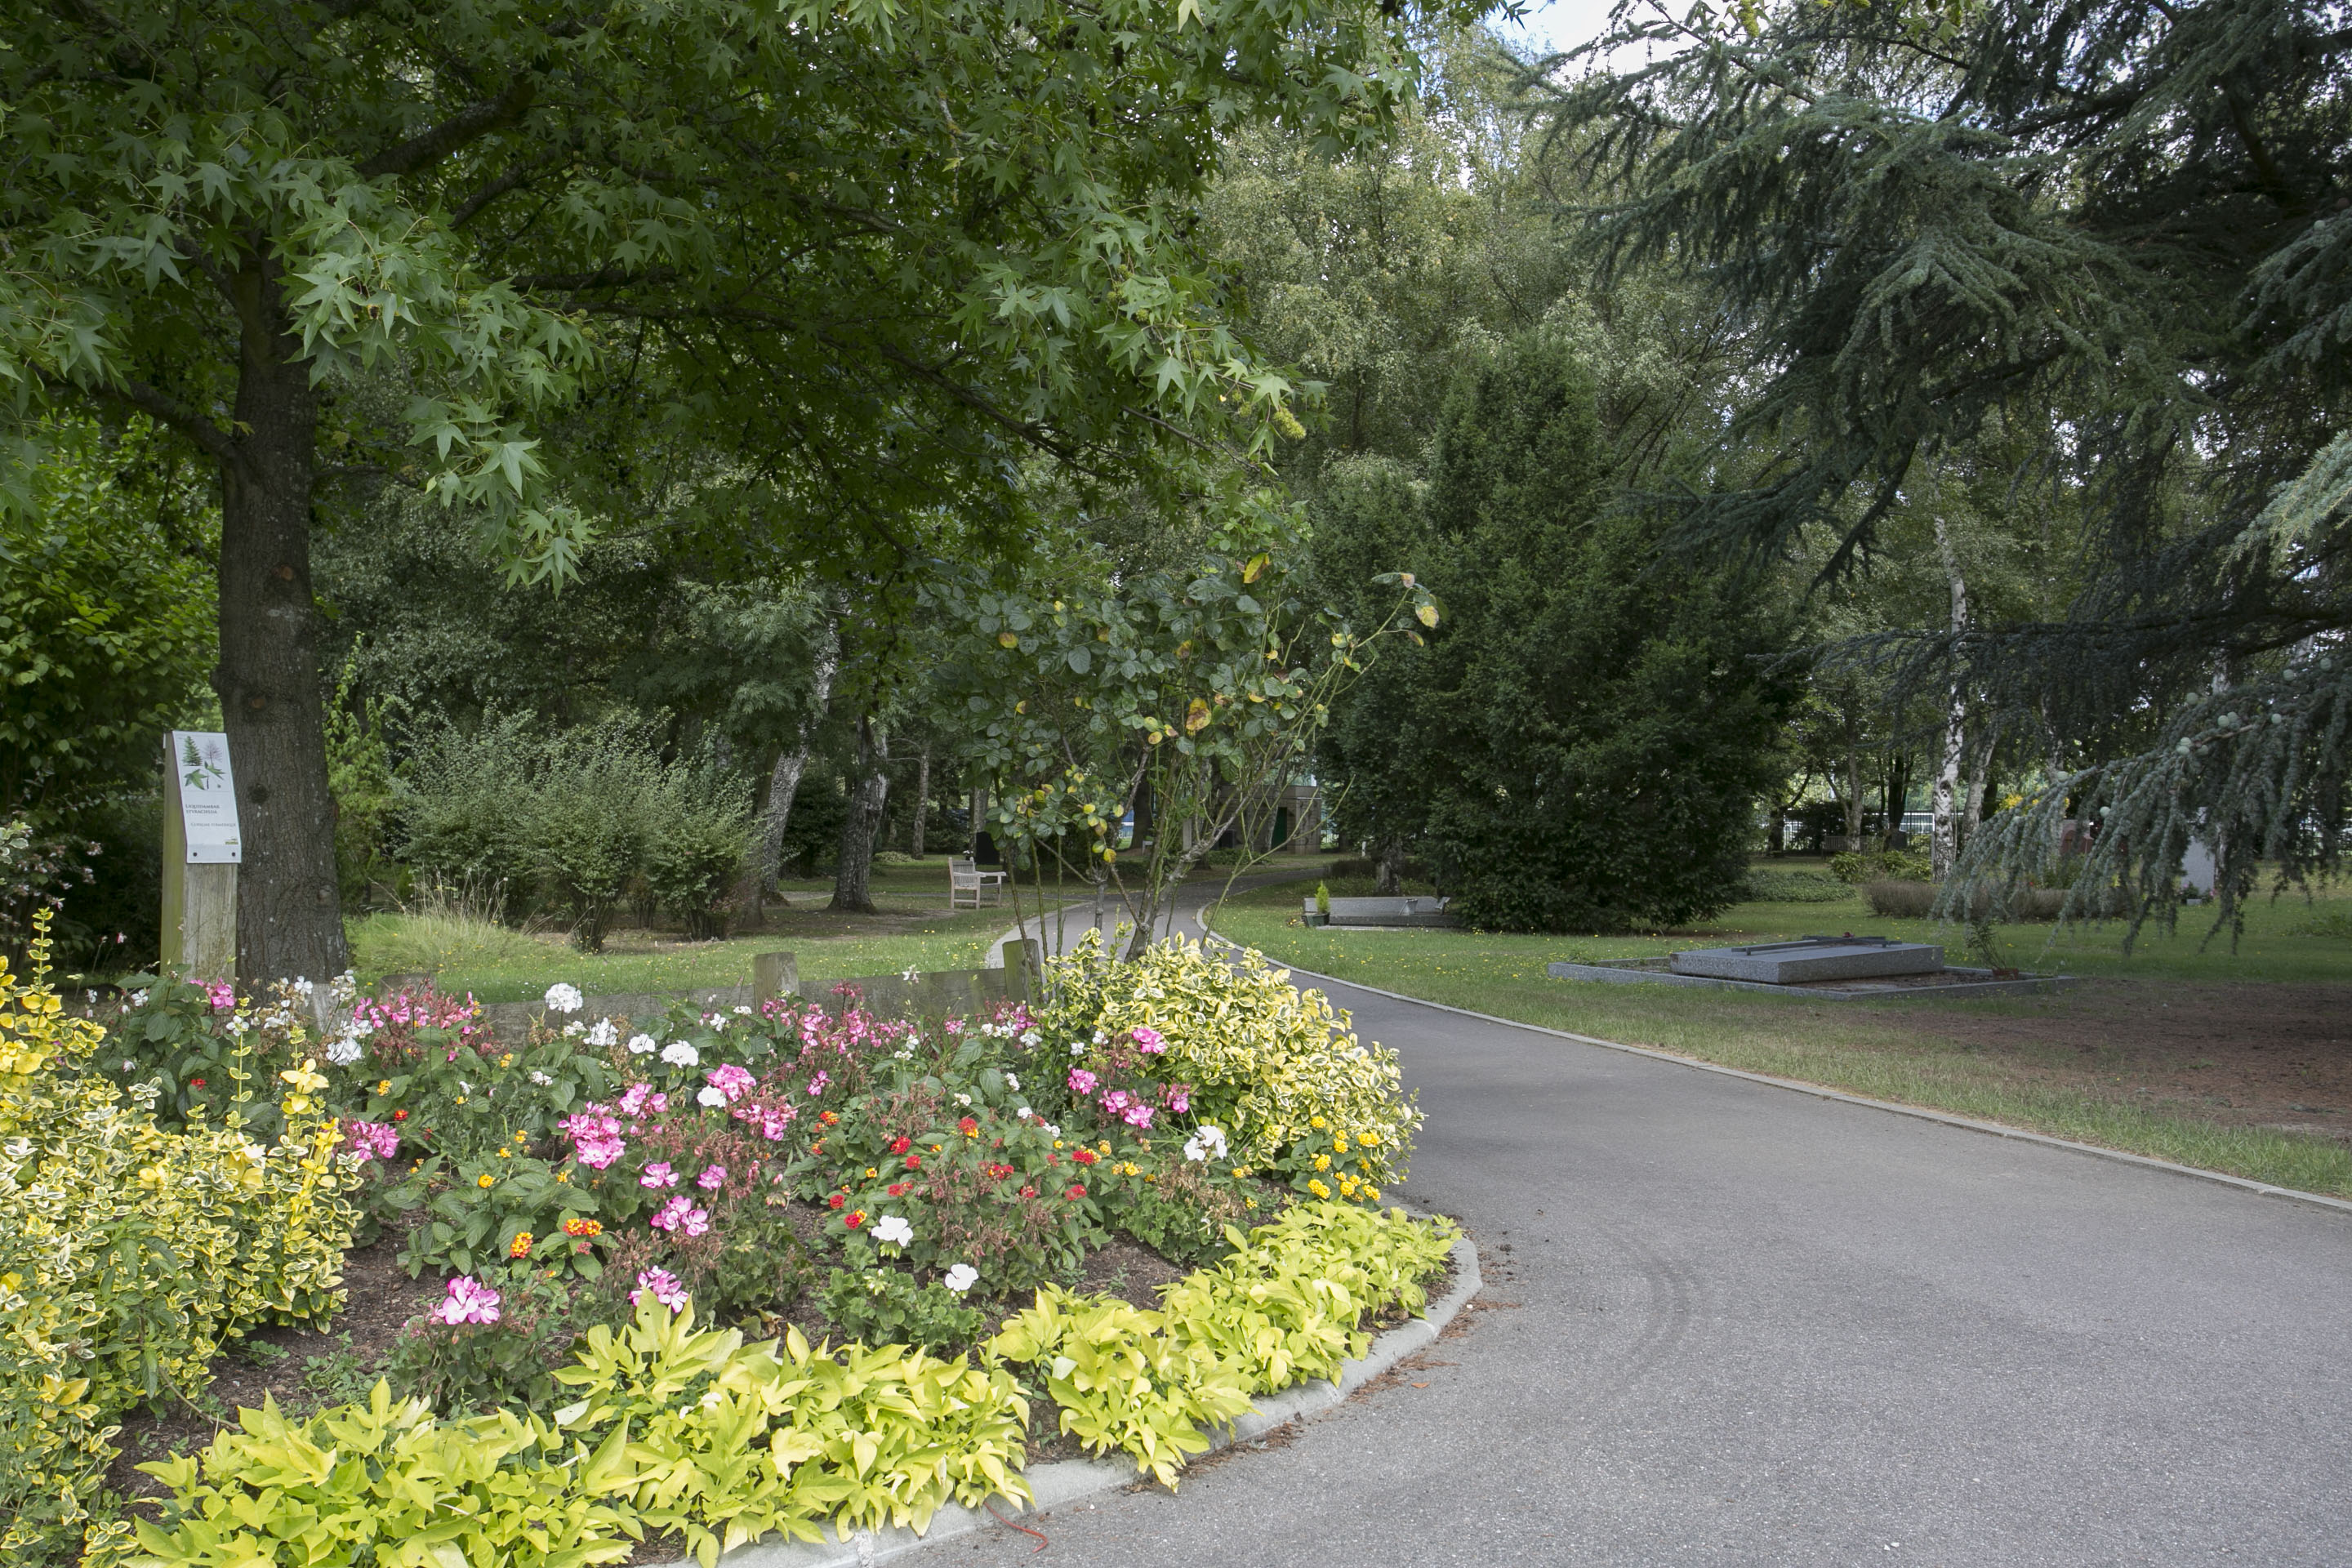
(201,848)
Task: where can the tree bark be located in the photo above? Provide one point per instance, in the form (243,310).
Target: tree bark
(784,783)
(1391,867)
(1944,845)
(922,803)
(1853,802)
(869,793)
(290,919)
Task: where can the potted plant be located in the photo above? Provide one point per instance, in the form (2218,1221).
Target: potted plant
(1322,915)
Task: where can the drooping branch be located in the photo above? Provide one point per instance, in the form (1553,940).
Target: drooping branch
(470,124)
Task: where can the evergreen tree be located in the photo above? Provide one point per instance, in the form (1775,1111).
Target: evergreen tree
(1583,741)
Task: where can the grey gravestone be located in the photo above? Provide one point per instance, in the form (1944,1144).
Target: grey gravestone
(1813,958)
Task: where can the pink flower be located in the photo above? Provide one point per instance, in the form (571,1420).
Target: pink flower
(679,1213)
(1177,1097)
(771,1120)
(657,1176)
(1147,1040)
(1138,1115)
(223,996)
(711,1180)
(663,1284)
(634,1097)
(371,1140)
(730,1080)
(818,1084)
(595,1135)
(1081,1081)
(469,1301)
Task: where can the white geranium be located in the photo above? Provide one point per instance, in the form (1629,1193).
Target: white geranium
(711,1095)
(343,1050)
(642,1045)
(962,1278)
(1030,1037)
(603,1036)
(139,998)
(1207,1142)
(563,998)
(1023,1113)
(742,1012)
(575,1029)
(679,1054)
(1012,1083)
(894,1229)
(963,1099)
(540,1078)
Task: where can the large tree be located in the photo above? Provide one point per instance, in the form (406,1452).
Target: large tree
(2118,234)
(876,251)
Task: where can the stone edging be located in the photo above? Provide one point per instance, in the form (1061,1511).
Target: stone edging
(1819,1092)
(1066,1481)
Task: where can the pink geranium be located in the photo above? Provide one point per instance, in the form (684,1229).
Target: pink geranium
(664,1286)
(1146,1039)
(469,1301)
(679,1213)
(595,1135)
(712,1179)
(1081,1081)
(658,1175)
(371,1140)
(731,1080)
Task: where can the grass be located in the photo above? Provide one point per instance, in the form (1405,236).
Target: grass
(498,963)
(1880,1051)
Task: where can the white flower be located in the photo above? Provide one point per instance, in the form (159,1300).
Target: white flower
(711,1095)
(641,1045)
(679,1054)
(1078,1047)
(963,1099)
(962,1278)
(910,974)
(563,998)
(1207,1142)
(1023,1113)
(1049,1130)
(603,1036)
(717,1021)
(1029,1038)
(343,1050)
(894,1229)
(139,998)
(1102,1038)
(742,1012)
(540,1078)
(575,1029)
(1012,1083)
(130,1066)
(465,1088)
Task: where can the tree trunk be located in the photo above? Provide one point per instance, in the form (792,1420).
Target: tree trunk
(869,793)
(922,803)
(290,919)
(785,782)
(1853,802)
(1392,869)
(1944,845)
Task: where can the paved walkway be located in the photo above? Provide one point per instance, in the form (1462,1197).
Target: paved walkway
(1735,1324)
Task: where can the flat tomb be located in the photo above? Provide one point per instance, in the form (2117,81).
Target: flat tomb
(1417,910)
(1811,959)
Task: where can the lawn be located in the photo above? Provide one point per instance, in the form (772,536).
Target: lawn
(2239,1062)
(914,928)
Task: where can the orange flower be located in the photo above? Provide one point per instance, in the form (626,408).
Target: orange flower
(575,1225)
(520,1246)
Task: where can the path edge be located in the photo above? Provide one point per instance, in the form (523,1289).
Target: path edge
(1822,1091)
(1066,1481)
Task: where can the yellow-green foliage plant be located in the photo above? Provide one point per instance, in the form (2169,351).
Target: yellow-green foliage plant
(386,1483)
(1288,1304)
(129,1254)
(1265,1061)
(725,1443)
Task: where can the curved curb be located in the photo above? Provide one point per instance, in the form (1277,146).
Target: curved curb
(1066,1481)
(1821,1091)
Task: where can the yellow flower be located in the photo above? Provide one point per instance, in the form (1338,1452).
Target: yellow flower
(1340,1143)
(563,1175)
(1249,1203)
(1315,1122)
(1318,1189)
(1322,1161)
(1347,1186)
(1372,1193)
(506,1061)
(383,1086)
(871,1173)
(505,1154)
(486,1180)
(461,1099)
(1369,1140)
(1057,1143)
(1103,1147)
(520,1246)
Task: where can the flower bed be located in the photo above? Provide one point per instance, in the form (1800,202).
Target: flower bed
(931,1187)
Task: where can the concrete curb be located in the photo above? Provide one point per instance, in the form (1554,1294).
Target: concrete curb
(1995,1129)
(1066,1481)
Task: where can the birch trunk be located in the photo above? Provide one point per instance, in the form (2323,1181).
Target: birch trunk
(922,802)
(869,793)
(785,782)
(1944,844)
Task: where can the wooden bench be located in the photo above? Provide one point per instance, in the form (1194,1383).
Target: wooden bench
(964,876)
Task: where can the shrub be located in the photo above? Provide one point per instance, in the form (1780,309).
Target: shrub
(1903,900)
(130,1254)
(699,829)
(493,1341)
(1261,1060)
(1794,888)
(1888,865)
(888,1306)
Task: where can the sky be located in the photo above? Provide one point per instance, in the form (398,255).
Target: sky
(1557,24)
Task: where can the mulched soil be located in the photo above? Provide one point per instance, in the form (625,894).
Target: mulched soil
(2271,1056)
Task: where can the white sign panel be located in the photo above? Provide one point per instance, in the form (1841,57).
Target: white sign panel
(207,798)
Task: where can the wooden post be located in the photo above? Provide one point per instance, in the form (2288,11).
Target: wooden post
(775,974)
(199,881)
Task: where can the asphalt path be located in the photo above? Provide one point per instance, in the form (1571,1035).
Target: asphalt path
(1729,1324)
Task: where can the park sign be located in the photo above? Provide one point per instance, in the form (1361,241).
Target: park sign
(207,794)
(203,846)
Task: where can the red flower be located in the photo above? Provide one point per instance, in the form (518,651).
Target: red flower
(828,1117)
(914,1161)
(195,1083)
(1000,1171)
(1052,1158)
(1076,1192)
(397,1116)
(1086,1156)
(897,1189)
(837,1199)
(968,1127)
(1028,1191)
(901,1143)
(854,1218)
